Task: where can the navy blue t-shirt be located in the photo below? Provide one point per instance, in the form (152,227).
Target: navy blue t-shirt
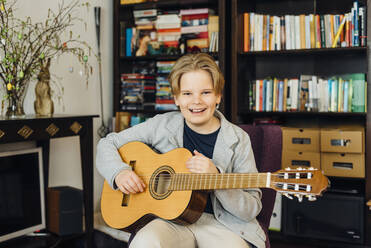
(204,144)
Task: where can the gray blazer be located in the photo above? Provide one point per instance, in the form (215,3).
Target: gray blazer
(235,208)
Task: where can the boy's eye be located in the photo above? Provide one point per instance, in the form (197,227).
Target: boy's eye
(206,92)
(186,93)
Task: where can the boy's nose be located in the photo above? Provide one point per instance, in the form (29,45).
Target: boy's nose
(197,98)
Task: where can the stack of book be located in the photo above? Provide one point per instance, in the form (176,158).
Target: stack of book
(195,29)
(168,30)
(343,93)
(268,33)
(164,98)
(157,32)
(138,91)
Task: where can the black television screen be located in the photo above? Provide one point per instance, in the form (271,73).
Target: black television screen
(22,208)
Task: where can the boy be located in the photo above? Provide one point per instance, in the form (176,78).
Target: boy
(218,146)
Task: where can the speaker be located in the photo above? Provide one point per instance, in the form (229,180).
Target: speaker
(334,216)
(64,210)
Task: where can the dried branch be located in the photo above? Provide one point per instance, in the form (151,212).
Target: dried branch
(24,45)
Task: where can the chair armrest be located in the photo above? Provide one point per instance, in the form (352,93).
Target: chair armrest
(369,204)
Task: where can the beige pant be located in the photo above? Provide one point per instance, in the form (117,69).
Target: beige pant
(205,233)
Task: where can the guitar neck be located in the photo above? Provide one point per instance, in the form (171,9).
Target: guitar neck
(204,181)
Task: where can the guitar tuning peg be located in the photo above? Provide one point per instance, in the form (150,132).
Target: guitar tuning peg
(299,168)
(288,196)
(288,168)
(300,197)
(311,168)
(312,198)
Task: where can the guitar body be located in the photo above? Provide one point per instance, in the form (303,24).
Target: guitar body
(131,212)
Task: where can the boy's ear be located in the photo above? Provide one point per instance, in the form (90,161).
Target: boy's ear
(176,100)
(218,98)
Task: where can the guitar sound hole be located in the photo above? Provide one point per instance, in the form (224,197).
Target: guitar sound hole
(162,183)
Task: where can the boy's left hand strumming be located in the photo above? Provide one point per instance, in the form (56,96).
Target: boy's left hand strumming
(200,164)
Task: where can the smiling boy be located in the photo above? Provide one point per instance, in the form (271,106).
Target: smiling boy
(218,146)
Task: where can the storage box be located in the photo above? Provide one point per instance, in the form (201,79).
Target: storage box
(343,140)
(294,159)
(300,139)
(343,164)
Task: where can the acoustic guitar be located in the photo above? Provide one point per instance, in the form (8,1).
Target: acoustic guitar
(173,193)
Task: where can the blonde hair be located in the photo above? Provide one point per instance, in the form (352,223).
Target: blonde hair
(194,62)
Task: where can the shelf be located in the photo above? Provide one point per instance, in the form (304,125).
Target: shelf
(295,114)
(294,52)
(170,3)
(159,57)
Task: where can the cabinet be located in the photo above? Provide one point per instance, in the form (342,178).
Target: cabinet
(42,130)
(125,64)
(246,67)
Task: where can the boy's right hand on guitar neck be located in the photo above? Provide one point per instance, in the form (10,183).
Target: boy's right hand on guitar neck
(129,182)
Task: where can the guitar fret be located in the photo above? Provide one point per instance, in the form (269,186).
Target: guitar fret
(222,181)
(188,181)
(258,181)
(181,181)
(210,177)
(192,182)
(176,182)
(241,180)
(205,179)
(248,182)
(227,184)
(234,181)
(216,177)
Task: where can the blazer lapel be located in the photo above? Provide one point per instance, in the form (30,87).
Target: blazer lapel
(223,151)
(175,128)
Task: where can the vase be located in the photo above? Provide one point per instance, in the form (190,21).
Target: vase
(15,107)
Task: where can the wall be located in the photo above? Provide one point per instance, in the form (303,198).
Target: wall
(78,98)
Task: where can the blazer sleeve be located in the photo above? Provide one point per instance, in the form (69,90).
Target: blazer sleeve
(242,203)
(108,160)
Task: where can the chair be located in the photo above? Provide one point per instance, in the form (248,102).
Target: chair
(266,141)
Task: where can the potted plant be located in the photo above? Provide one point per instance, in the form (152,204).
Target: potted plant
(26,46)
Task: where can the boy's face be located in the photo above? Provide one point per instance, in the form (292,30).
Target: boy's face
(197,101)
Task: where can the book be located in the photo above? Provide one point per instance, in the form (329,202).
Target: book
(339,31)
(122,45)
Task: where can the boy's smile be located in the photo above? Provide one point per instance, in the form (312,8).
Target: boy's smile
(197,101)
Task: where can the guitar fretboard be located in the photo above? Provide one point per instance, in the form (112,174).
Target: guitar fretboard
(203,181)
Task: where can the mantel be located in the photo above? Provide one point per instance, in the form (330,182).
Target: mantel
(41,130)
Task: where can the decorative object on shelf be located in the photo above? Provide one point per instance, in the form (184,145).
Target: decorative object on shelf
(26,46)
(43,104)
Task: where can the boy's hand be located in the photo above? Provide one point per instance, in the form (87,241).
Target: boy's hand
(129,182)
(201,164)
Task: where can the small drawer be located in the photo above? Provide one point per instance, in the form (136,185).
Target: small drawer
(300,139)
(342,141)
(295,159)
(343,164)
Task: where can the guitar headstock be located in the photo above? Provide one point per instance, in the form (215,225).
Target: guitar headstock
(299,182)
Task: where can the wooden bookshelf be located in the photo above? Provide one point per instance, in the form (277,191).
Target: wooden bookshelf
(326,62)
(122,64)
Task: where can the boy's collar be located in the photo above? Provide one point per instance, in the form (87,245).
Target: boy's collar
(176,126)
